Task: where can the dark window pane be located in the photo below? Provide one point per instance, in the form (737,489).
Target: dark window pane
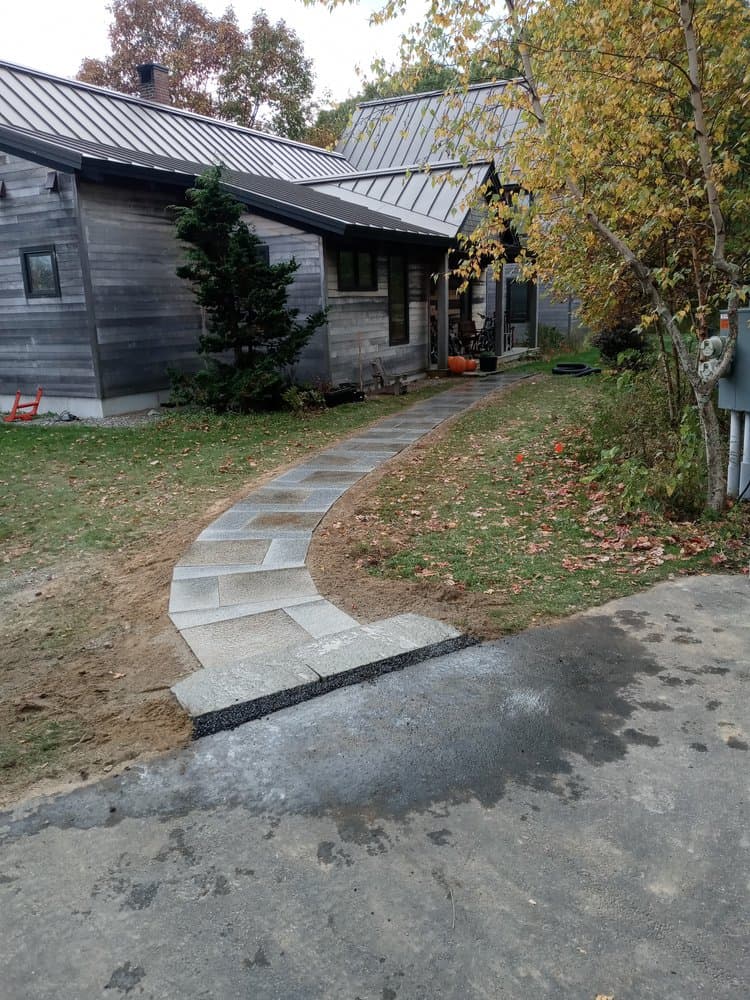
(357,271)
(518,301)
(366,269)
(398,303)
(263,253)
(40,273)
(347,270)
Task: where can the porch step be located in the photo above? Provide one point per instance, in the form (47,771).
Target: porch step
(226,696)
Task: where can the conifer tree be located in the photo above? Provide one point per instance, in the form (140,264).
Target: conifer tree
(251,334)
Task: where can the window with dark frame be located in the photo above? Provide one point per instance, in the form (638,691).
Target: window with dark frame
(41,279)
(357,271)
(517,299)
(264,253)
(398,301)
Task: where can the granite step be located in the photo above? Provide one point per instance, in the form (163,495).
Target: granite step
(227,696)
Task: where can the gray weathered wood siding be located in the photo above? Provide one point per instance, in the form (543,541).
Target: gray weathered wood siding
(146,317)
(306,293)
(45,341)
(358,323)
(561,315)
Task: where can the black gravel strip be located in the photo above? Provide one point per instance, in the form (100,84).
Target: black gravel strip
(245,711)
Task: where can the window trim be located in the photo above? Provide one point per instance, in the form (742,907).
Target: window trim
(371,285)
(39,251)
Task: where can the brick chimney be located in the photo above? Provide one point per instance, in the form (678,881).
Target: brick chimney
(153,82)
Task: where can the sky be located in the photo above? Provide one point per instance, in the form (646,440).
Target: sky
(54,37)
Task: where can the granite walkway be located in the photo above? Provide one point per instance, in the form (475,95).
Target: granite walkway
(243,599)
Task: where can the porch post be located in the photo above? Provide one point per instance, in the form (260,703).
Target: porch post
(442,314)
(534,315)
(500,311)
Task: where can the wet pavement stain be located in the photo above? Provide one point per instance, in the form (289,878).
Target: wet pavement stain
(140,897)
(125,978)
(259,960)
(440,837)
(502,732)
(638,738)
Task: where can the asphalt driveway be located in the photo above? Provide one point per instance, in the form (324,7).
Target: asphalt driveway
(562,814)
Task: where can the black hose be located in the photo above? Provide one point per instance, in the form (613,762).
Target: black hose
(574,368)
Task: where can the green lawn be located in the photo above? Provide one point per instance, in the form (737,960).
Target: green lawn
(69,489)
(503,506)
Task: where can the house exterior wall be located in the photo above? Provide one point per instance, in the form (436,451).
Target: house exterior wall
(43,341)
(358,322)
(306,293)
(146,317)
(147,320)
(563,316)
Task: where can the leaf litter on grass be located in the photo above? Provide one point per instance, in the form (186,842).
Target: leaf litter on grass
(503,504)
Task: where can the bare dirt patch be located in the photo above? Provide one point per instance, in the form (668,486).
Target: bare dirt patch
(89,656)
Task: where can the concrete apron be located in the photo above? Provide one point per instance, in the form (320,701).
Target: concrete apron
(243,599)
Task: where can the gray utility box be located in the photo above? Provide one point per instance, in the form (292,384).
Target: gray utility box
(734,390)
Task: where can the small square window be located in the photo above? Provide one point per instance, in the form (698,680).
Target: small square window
(40,276)
(357,271)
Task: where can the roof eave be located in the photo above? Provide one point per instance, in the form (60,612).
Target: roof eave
(39,151)
(271,208)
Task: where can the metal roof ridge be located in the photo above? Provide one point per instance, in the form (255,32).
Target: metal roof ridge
(438,93)
(414,168)
(165,108)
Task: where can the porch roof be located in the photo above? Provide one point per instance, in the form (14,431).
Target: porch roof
(437,199)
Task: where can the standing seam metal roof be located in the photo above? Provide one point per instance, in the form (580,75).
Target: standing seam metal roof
(436,198)
(71,110)
(424,128)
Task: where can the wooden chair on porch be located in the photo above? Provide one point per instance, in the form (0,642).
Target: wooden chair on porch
(468,335)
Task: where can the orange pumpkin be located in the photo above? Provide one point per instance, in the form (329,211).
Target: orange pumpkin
(456,364)
(471,364)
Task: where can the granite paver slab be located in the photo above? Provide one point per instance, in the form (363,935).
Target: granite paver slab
(224,553)
(282,520)
(211,690)
(207,616)
(266,585)
(187,595)
(344,651)
(227,642)
(284,553)
(319,477)
(321,618)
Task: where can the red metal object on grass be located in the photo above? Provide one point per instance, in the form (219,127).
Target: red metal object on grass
(31,407)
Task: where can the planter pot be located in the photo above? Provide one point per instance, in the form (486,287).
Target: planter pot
(488,362)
